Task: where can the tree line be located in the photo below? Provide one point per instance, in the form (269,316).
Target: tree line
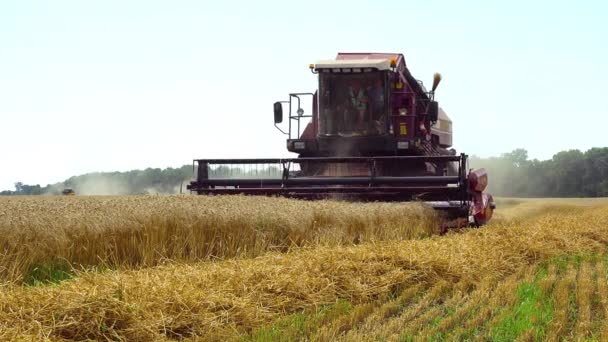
(567,174)
(151,180)
(148,181)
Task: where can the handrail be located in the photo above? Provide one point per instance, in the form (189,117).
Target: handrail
(332,159)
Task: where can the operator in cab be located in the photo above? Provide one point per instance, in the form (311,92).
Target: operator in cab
(352,105)
(357,108)
(377,106)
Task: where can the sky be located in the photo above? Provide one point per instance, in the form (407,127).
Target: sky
(108,85)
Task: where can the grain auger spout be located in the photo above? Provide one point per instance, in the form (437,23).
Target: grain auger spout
(373,133)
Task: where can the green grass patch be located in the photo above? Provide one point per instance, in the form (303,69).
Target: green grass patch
(300,326)
(561,263)
(49,273)
(542,272)
(578,259)
(469,334)
(532,311)
(406,338)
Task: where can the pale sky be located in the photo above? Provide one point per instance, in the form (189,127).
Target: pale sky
(118,85)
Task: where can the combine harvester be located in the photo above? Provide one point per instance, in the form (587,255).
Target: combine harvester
(374,134)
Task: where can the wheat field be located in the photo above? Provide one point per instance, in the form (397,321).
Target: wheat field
(142,231)
(235,268)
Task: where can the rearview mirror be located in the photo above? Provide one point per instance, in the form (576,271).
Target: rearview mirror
(433,111)
(278,112)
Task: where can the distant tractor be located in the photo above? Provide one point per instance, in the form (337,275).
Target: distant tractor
(68,192)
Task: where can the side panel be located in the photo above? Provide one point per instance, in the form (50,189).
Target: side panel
(403,109)
(443,129)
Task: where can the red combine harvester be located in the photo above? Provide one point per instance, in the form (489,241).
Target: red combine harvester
(374,134)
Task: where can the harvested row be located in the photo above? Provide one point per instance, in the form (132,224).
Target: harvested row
(38,233)
(585,289)
(452,322)
(563,289)
(393,324)
(501,297)
(366,316)
(406,328)
(602,291)
(230,299)
(548,284)
(473,303)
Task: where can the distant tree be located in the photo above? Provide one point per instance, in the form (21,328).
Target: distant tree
(568,168)
(18,188)
(517,158)
(595,177)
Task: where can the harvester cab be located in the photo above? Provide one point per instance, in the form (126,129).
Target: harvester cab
(366,104)
(374,133)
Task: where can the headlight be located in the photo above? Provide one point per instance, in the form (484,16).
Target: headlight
(299,145)
(403,145)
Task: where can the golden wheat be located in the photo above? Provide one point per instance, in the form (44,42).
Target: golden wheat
(229,299)
(141,231)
